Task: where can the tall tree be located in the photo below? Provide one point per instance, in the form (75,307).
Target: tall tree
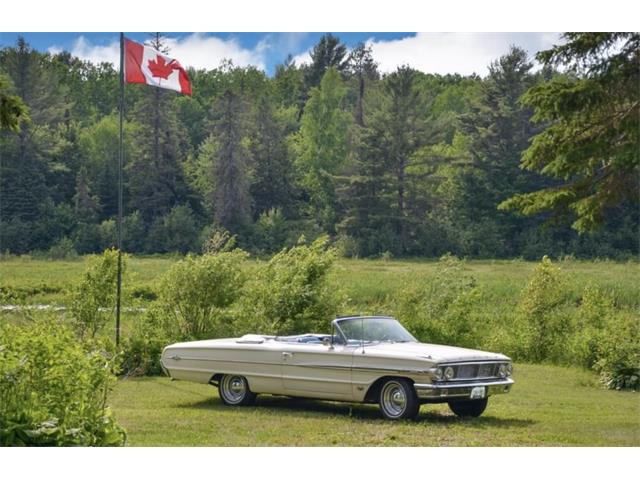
(26,156)
(592,145)
(405,136)
(156,176)
(499,130)
(271,186)
(12,108)
(322,146)
(226,158)
(328,53)
(362,66)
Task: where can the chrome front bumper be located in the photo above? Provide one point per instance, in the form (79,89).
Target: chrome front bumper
(444,391)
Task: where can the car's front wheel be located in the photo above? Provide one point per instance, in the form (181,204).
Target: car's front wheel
(234,391)
(398,399)
(469,408)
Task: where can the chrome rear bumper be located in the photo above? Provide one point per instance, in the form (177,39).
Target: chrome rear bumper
(444,391)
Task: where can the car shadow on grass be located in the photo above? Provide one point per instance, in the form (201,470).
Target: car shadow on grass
(302,407)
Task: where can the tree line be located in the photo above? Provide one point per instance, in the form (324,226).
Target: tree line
(523,162)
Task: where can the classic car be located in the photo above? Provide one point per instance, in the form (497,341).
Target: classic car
(370,359)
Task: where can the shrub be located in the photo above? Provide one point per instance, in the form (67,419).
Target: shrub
(590,319)
(541,327)
(142,348)
(179,230)
(94,300)
(195,293)
(217,239)
(619,353)
(133,232)
(607,340)
(53,388)
(291,292)
(347,246)
(270,231)
(62,250)
(441,309)
(108,234)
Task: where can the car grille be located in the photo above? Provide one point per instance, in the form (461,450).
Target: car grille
(478,370)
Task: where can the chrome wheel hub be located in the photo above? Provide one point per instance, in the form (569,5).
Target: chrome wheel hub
(393,399)
(234,388)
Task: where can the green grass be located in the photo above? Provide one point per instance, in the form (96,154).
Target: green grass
(368,283)
(548,406)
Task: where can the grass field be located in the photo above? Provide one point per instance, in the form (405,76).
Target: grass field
(548,406)
(367,283)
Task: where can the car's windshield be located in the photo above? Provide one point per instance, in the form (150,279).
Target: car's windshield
(374,329)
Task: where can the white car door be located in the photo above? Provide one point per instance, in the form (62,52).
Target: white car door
(318,371)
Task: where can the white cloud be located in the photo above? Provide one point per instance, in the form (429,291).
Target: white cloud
(204,51)
(196,50)
(463,53)
(301,58)
(82,48)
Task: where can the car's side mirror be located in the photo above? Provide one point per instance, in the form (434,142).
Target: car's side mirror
(326,341)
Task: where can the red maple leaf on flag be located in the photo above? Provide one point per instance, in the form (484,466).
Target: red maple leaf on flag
(159,68)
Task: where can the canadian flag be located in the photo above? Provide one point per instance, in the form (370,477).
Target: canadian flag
(143,64)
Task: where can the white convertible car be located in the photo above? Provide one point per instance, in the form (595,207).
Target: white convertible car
(365,359)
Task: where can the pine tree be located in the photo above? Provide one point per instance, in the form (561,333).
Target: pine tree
(328,53)
(156,180)
(363,68)
(592,143)
(85,204)
(26,156)
(499,131)
(404,138)
(228,161)
(271,186)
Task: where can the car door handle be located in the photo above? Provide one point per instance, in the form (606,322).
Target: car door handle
(287,354)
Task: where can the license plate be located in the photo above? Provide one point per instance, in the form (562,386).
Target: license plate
(477,392)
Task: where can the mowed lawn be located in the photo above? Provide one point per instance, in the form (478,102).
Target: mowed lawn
(550,406)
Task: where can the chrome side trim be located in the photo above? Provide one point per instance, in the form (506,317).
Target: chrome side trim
(473,362)
(202,359)
(306,365)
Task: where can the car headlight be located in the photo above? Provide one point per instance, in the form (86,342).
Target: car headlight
(448,373)
(437,373)
(509,369)
(502,370)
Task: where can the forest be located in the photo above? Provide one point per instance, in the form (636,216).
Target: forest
(539,157)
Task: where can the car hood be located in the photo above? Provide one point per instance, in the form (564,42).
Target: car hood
(433,352)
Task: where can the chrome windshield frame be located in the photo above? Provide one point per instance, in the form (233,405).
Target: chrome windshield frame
(337,321)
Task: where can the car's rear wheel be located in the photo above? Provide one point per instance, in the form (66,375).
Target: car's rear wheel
(234,391)
(469,408)
(398,400)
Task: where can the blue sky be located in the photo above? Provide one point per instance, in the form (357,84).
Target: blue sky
(463,53)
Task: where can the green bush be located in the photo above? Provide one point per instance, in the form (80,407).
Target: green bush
(606,340)
(94,300)
(291,292)
(141,349)
(63,249)
(442,308)
(195,294)
(619,353)
(541,325)
(270,231)
(591,319)
(53,388)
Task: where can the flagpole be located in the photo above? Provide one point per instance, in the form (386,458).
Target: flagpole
(120,162)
